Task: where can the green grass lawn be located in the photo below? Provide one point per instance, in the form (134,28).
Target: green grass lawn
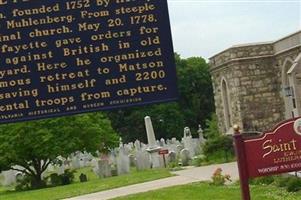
(93,185)
(205,191)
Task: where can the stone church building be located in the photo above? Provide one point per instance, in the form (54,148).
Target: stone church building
(257,85)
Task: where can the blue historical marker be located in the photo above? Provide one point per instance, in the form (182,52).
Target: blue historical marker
(67,57)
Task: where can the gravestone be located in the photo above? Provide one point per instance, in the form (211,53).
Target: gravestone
(137,145)
(172,157)
(188,141)
(123,162)
(60,169)
(142,160)
(179,148)
(113,157)
(83,178)
(75,163)
(131,145)
(189,144)
(162,142)
(132,160)
(9,177)
(153,147)
(185,157)
(201,135)
(143,147)
(103,169)
(187,132)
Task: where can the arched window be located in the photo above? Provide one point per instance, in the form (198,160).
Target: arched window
(226,104)
(287,88)
(294,76)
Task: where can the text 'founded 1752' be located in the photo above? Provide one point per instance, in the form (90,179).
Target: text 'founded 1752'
(66,57)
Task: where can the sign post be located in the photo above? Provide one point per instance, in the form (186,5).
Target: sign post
(163,152)
(274,152)
(242,168)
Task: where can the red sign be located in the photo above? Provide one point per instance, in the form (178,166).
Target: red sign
(163,151)
(275,152)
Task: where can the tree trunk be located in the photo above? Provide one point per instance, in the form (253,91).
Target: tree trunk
(37,182)
(36,178)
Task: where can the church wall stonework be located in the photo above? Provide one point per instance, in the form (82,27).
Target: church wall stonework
(253,74)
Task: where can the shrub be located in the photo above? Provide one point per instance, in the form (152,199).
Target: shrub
(24,183)
(172,165)
(114,172)
(198,160)
(282,181)
(294,184)
(67,177)
(55,179)
(28,182)
(219,147)
(64,179)
(83,178)
(291,183)
(211,131)
(218,178)
(265,180)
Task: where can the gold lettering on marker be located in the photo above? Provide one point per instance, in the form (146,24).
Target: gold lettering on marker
(269,147)
(77,46)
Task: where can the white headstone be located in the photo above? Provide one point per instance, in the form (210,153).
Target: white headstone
(201,135)
(153,147)
(123,162)
(172,157)
(103,168)
(162,142)
(75,164)
(187,132)
(137,145)
(189,144)
(143,160)
(9,177)
(152,144)
(185,157)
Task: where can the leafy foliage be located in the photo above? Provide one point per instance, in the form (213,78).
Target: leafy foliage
(198,160)
(167,121)
(265,180)
(294,184)
(36,144)
(67,177)
(291,183)
(211,130)
(195,89)
(218,146)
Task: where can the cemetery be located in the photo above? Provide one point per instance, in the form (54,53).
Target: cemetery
(122,159)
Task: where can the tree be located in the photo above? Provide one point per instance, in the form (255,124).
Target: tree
(211,131)
(167,121)
(195,89)
(37,144)
(218,146)
(195,105)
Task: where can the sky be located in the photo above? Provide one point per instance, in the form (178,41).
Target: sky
(207,27)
